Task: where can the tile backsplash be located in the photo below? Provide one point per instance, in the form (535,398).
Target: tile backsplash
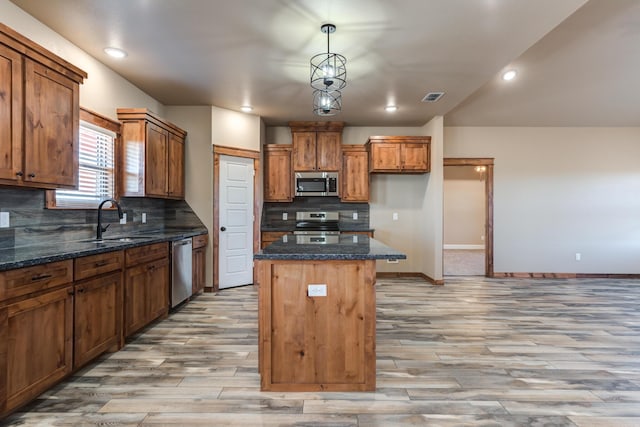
(31,223)
(272,212)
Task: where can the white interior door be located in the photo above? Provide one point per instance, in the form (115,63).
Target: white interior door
(235,242)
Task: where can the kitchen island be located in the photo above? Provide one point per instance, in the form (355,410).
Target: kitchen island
(317,313)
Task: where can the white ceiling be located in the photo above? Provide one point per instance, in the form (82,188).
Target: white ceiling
(577,60)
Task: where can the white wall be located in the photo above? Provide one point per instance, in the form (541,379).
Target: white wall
(198,171)
(232,129)
(464,206)
(104,90)
(559,191)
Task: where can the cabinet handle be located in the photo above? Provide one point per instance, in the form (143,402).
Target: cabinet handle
(40,277)
(81,290)
(19,173)
(32,175)
(100,264)
(70,292)
(151,268)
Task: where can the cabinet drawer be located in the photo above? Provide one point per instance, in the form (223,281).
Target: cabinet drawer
(142,254)
(23,281)
(200,241)
(94,265)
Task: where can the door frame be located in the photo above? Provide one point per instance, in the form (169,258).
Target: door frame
(488,162)
(219,150)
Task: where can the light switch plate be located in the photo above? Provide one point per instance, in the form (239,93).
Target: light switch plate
(355,215)
(285,216)
(4,220)
(124,218)
(395,216)
(317,290)
(144,218)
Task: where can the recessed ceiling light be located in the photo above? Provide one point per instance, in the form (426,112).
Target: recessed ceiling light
(115,52)
(391,108)
(509,75)
(246,109)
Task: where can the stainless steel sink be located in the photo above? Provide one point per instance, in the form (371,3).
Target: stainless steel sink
(115,239)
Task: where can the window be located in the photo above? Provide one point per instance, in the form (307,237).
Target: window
(96,165)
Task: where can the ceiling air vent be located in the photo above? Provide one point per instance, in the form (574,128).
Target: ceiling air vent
(432,96)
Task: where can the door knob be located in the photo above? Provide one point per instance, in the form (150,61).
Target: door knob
(223,228)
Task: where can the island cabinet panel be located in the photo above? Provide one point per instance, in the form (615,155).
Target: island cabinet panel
(36,344)
(278,177)
(317,343)
(399,154)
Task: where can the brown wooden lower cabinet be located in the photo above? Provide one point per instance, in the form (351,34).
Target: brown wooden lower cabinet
(98,317)
(323,343)
(146,286)
(199,261)
(36,345)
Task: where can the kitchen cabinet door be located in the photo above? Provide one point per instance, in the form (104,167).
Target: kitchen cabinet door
(278,176)
(355,174)
(156,161)
(146,289)
(175,170)
(385,157)
(328,149)
(98,317)
(36,344)
(52,126)
(10,114)
(304,151)
(415,157)
(199,270)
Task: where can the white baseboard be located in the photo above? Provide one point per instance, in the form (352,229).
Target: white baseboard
(463,247)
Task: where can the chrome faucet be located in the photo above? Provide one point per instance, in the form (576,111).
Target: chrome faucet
(100,229)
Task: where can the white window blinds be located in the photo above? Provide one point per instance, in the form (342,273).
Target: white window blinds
(96,180)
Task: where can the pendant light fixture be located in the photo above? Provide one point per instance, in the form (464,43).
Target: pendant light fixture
(328,77)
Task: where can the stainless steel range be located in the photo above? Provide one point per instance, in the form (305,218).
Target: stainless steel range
(317,227)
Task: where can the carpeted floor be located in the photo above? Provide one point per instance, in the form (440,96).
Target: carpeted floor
(463,262)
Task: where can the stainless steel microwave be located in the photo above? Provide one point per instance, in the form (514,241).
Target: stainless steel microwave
(316,184)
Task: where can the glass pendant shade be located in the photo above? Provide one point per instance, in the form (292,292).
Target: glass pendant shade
(327,103)
(328,71)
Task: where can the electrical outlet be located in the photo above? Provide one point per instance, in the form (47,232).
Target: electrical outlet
(392,261)
(4,220)
(285,216)
(355,215)
(578,256)
(144,218)
(395,216)
(317,290)
(354,238)
(124,218)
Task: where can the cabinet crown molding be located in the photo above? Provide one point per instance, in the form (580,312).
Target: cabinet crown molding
(316,126)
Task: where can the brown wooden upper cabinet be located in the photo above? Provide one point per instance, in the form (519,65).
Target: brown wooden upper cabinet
(152,155)
(39,115)
(316,146)
(278,178)
(399,154)
(354,175)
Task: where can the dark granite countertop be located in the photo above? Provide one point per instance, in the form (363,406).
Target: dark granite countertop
(350,247)
(23,256)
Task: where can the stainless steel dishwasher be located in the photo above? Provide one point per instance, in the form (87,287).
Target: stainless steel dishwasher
(181,271)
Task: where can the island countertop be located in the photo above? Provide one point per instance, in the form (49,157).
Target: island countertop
(349,247)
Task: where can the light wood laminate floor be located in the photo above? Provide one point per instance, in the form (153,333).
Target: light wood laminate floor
(474,352)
